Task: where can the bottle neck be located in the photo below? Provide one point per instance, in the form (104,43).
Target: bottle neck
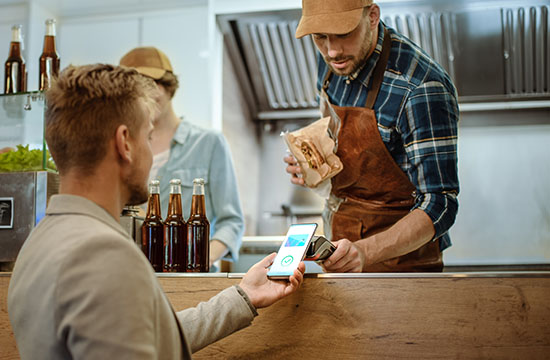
(198,206)
(174,204)
(16,35)
(198,189)
(15,50)
(175,189)
(154,189)
(153,207)
(16,44)
(49,44)
(50,28)
(197,201)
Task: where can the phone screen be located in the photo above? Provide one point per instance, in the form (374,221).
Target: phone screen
(292,250)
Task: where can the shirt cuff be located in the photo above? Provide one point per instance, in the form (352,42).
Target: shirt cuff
(247,299)
(441,208)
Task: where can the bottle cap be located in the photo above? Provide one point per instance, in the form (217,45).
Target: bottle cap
(50,27)
(16,33)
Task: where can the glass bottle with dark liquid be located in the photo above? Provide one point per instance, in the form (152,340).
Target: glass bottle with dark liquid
(49,60)
(174,231)
(152,229)
(198,232)
(15,72)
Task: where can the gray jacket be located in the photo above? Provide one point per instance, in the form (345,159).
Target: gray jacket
(80,288)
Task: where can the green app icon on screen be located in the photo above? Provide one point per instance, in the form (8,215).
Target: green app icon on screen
(287,260)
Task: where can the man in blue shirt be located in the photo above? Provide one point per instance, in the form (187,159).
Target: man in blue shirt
(391,207)
(184,151)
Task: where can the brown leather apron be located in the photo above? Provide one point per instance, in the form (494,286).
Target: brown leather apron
(372,193)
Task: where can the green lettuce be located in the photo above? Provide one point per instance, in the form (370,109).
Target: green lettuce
(24,159)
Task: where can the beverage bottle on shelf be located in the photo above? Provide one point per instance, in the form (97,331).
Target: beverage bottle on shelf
(152,229)
(174,231)
(198,232)
(15,72)
(49,60)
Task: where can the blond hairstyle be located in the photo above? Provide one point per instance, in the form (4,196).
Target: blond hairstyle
(86,105)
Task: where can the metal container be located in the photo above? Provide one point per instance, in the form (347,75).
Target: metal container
(131,222)
(23,200)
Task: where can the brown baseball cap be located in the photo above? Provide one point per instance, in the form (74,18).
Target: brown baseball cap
(330,16)
(148,61)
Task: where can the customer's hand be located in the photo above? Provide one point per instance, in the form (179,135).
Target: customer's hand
(263,291)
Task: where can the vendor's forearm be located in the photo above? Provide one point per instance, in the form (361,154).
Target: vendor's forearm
(405,236)
(217,250)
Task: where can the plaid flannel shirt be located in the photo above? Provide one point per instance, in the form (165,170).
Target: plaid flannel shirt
(417,114)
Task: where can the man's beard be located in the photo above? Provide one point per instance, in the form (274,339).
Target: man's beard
(356,61)
(139,193)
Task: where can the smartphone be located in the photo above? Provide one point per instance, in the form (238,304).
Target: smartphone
(292,250)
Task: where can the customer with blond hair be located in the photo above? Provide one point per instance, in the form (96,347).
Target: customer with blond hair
(80,288)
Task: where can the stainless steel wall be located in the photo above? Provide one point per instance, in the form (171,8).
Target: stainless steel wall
(492,50)
(504,169)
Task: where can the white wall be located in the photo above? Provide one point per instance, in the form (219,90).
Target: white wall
(242,6)
(96,31)
(85,41)
(184,35)
(181,33)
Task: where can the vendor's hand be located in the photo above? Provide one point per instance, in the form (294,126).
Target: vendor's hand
(294,170)
(262,291)
(347,257)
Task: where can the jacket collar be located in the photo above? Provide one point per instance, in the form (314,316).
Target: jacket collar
(64,204)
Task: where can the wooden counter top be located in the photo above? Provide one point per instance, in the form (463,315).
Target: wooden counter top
(413,316)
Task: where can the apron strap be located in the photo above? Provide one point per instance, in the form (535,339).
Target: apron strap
(378,74)
(326,81)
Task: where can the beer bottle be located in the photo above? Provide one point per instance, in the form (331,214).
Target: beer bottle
(152,229)
(174,231)
(49,60)
(198,232)
(15,74)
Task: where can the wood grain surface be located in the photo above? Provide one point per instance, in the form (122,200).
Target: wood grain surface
(433,318)
(8,349)
(376,318)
